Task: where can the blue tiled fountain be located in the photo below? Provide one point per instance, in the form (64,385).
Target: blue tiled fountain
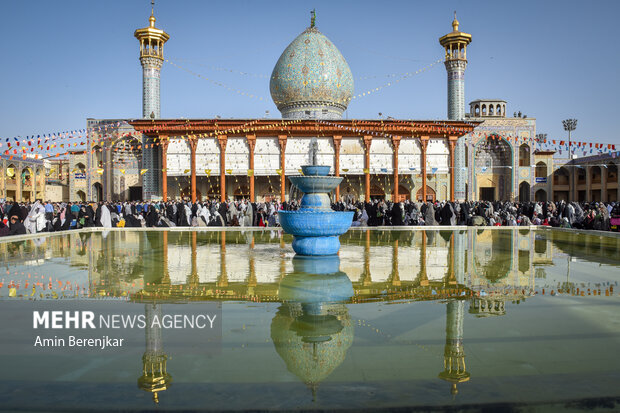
(315,226)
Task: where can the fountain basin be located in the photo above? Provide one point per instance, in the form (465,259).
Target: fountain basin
(315,170)
(316,184)
(308,223)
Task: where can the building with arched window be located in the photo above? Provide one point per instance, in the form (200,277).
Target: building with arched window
(21,180)
(500,153)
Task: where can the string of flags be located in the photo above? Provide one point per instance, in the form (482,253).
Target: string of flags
(42,146)
(322,80)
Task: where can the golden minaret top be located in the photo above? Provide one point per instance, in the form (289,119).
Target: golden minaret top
(455,43)
(151,38)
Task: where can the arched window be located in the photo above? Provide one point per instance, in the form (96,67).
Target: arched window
(560,177)
(612,172)
(596,174)
(581,176)
(477,110)
(484,110)
(524,155)
(80,168)
(12,173)
(540,195)
(498,110)
(524,192)
(26,177)
(98,156)
(541,170)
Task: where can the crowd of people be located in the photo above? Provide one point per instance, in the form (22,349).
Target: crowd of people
(29,218)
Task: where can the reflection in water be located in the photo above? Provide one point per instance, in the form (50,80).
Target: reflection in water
(312,328)
(155,377)
(454,370)
(237,265)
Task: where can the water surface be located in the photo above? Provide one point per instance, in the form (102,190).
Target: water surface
(399,319)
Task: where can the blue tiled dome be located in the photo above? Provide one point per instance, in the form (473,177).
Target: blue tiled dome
(311,79)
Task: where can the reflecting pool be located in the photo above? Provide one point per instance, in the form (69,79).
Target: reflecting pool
(429,319)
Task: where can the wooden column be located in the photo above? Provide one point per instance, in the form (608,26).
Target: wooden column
(337,141)
(192,146)
(367,143)
(452,142)
(194,279)
(282,142)
(166,276)
(395,145)
(423,277)
(424,144)
(251,144)
(222,140)
(164,166)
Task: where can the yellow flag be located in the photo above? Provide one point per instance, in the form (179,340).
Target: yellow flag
(345,169)
(279,171)
(143,171)
(100,171)
(164,170)
(52,171)
(250,172)
(208,172)
(301,171)
(122,171)
(229,171)
(366,170)
(186,171)
(10,172)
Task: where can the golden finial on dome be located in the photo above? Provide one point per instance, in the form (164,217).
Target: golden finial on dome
(312,17)
(455,23)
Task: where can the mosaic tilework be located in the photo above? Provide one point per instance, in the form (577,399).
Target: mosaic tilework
(311,76)
(456,88)
(456,111)
(151,68)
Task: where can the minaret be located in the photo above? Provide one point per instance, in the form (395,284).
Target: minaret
(152,58)
(454,370)
(455,44)
(155,377)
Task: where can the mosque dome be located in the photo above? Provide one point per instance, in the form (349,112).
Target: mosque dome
(311,80)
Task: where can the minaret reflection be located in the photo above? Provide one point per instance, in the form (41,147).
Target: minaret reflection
(454,369)
(155,377)
(312,329)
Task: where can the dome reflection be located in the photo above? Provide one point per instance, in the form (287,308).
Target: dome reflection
(312,329)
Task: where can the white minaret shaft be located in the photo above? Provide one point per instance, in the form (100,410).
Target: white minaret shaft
(455,45)
(152,58)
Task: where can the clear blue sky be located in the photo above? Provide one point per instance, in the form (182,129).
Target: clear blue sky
(64,61)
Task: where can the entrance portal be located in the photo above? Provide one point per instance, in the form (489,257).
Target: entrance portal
(487,194)
(135,193)
(430,194)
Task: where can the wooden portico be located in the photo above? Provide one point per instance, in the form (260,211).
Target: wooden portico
(161,131)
